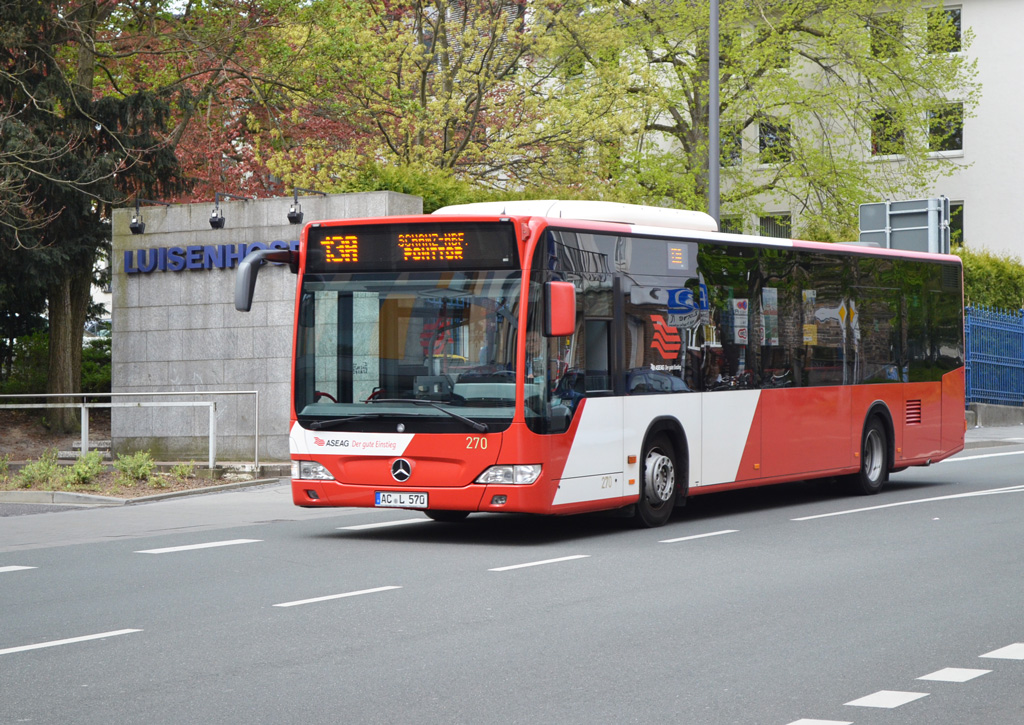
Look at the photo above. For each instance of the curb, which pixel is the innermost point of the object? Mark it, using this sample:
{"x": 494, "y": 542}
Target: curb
{"x": 86, "y": 499}
{"x": 988, "y": 443}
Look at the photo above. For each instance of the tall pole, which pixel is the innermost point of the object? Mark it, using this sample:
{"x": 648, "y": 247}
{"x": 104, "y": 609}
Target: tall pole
{"x": 714, "y": 139}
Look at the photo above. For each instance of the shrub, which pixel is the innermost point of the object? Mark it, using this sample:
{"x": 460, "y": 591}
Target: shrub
{"x": 134, "y": 467}
{"x": 31, "y": 361}
{"x": 43, "y": 472}
{"x": 96, "y": 366}
{"x": 991, "y": 280}
{"x": 84, "y": 470}
{"x": 184, "y": 470}
{"x": 5, "y": 467}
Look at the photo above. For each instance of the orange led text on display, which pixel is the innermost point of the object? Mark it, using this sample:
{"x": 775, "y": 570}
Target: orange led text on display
{"x": 432, "y": 247}
{"x": 341, "y": 250}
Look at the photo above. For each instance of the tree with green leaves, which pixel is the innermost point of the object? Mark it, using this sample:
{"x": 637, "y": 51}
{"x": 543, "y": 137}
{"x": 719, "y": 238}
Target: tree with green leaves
{"x": 823, "y": 105}
{"x": 70, "y": 154}
{"x": 439, "y": 95}
{"x": 96, "y": 98}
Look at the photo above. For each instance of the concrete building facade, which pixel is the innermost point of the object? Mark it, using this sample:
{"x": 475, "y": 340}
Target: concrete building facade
{"x": 175, "y": 328}
{"x": 988, "y": 177}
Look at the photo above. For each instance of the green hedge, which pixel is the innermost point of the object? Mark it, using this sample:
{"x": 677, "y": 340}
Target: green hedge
{"x": 32, "y": 358}
{"x": 991, "y": 280}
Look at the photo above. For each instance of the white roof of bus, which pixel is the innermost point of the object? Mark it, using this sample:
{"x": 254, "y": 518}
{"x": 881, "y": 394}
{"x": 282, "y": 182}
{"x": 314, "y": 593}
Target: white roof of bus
{"x": 594, "y": 211}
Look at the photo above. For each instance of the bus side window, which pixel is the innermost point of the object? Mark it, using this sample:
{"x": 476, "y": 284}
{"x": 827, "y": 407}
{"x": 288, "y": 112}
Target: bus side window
{"x": 598, "y": 358}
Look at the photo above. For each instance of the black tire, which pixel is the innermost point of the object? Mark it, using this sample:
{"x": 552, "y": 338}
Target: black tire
{"x": 447, "y": 517}
{"x": 874, "y": 461}
{"x": 658, "y": 483}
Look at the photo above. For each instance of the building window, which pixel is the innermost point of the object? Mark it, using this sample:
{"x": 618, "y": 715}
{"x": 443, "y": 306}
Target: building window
{"x": 731, "y": 144}
{"x": 888, "y": 134}
{"x": 886, "y": 35}
{"x": 731, "y": 224}
{"x": 944, "y": 30}
{"x": 774, "y": 142}
{"x": 956, "y": 223}
{"x": 776, "y": 225}
{"x": 946, "y": 128}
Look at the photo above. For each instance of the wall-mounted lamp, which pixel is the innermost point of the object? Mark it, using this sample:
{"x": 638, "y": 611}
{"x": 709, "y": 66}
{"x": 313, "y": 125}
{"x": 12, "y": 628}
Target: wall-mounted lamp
{"x": 136, "y": 225}
{"x": 295, "y": 210}
{"x": 216, "y": 218}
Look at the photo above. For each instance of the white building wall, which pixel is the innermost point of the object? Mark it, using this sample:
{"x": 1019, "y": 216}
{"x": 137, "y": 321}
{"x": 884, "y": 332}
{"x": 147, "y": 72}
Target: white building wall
{"x": 990, "y": 183}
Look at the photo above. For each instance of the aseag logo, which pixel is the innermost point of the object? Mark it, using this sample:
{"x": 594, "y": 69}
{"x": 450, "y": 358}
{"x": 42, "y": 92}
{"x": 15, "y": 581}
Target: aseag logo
{"x": 330, "y": 444}
{"x": 666, "y": 338}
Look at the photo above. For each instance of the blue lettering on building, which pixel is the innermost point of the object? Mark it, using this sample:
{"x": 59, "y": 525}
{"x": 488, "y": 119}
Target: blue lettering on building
{"x": 195, "y": 257}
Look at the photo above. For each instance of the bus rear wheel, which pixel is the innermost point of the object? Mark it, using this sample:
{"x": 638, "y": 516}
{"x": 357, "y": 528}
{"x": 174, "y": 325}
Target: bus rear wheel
{"x": 657, "y": 483}
{"x": 447, "y": 517}
{"x": 874, "y": 461}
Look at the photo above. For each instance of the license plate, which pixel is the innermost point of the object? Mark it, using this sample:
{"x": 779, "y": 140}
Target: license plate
{"x": 402, "y": 499}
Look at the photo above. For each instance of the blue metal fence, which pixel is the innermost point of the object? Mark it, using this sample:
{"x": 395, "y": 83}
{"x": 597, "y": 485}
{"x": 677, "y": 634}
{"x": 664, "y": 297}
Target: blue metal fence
{"x": 995, "y": 356}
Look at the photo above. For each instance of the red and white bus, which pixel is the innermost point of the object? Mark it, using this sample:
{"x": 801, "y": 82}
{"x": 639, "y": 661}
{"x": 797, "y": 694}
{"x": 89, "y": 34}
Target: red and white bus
{"x": 558, "y": 357}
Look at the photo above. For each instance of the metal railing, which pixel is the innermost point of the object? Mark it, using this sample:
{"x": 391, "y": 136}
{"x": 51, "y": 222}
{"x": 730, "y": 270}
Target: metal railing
{"x": 84, "y": 406}
{"x": 995, "y": 355}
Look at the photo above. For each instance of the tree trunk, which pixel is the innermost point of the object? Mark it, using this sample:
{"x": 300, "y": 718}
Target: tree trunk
{"x": 69, "y": 295}
{"x": 68, "y": 306}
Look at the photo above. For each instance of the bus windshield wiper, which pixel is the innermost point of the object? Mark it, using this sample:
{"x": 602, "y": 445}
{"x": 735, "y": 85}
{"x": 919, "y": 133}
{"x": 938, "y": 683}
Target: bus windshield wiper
{"x": 318, "y": 424}
{"x": 475, "y": 425}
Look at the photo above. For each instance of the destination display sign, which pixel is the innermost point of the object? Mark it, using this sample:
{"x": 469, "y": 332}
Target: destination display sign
{"x": 406, "y": 247}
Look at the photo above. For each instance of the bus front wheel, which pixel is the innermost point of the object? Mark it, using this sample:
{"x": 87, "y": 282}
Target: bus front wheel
{"x": 874, "y": 463}
{"x": 657, "y": 483}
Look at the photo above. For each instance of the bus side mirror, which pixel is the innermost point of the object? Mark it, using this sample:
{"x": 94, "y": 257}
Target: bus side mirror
{"x": 559, "y": 309}
{"x": 248, "y": 268}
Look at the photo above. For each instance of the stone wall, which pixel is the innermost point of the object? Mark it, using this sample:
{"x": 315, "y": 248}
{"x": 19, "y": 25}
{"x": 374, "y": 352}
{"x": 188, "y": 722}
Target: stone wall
{"x": 175, "y": 328}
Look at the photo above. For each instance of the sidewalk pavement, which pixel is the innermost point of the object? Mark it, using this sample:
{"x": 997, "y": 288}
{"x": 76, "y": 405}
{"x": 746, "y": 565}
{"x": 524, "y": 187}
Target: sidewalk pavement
{"x": 88, "y": 499}
{"x": 1003, "y": 435}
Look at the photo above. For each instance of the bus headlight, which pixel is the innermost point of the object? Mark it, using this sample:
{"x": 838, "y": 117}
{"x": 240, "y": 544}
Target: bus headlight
{"x": 517, "y": 475}
{"x": 310, "y": 471}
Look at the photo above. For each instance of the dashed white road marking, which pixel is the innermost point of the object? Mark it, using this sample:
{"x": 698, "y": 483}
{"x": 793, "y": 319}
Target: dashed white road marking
{"x": 72, "y": 640}
{"x": 888, "y": 699}
{"x": 191, "y": 547}
{"x": 382, "y": 524}
{"x": 698, "y": 536}
{"x": 954, "y": 674}
{"x": 539, "y": 563}
{"x": 4, "y": 569}
{"x": 989, "y": 492}
{"x": 1010, "y": 652}
{"x": 805, "y": 721}
{"x": 336, "y": 596}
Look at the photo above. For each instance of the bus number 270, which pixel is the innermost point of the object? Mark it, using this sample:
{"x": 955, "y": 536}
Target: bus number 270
{"x": 476, "y": 443}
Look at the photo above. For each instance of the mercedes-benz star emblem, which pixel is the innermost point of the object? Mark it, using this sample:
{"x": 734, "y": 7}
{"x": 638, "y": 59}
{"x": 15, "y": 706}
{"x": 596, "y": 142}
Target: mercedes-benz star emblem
{"x": 401, "y": 469}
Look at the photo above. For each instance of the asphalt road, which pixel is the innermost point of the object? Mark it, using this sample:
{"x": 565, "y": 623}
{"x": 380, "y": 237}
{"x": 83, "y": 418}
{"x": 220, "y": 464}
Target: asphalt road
{"x": 790, "y": 604}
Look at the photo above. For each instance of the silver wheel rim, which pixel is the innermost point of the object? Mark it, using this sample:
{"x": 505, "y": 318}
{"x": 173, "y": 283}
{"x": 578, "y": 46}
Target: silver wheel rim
{"x": 660, "y": 475}
{"x": 873, "y": 456}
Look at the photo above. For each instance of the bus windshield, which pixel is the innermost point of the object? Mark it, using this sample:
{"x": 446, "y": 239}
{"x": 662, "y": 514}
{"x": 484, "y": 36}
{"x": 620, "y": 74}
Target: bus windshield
{"x": 410, "y": 351}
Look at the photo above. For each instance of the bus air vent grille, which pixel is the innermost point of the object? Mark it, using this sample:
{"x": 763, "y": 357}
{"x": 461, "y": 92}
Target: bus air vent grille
{"x": 913, "y": 412}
